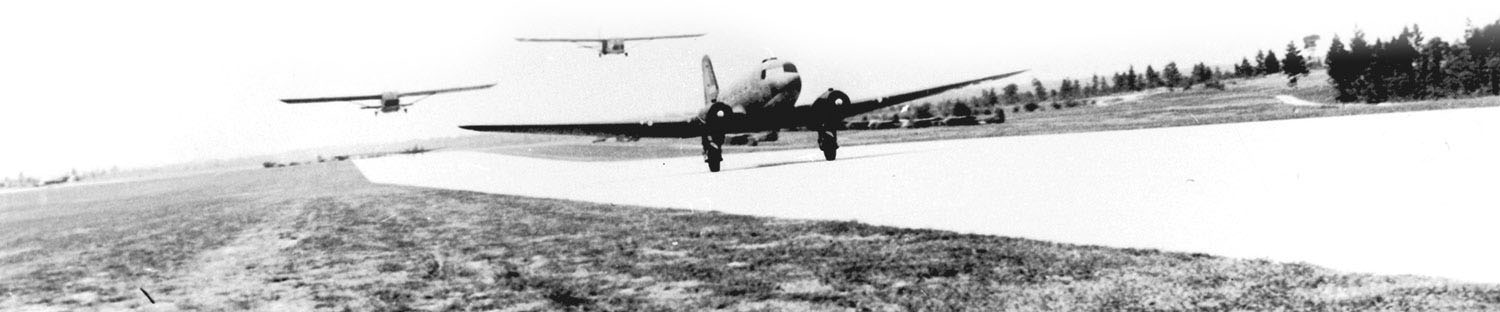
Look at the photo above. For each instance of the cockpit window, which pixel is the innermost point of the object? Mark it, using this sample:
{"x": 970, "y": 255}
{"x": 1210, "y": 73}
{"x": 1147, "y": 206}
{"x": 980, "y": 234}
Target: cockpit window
{"x": 788, "y": 67}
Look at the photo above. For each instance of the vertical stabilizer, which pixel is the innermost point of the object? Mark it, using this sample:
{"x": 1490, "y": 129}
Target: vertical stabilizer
{"x": 710, "y": 84}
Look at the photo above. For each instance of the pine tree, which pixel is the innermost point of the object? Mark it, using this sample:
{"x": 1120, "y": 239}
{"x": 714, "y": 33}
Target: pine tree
{"x": 1172, "y": 75}
{"x": 1377, "y": 74}
{"x": 1064, "y": 89}
{"x": 1119, "y": 83}
{"x": 1293, "y": 64}
{"x": 1093, "y": 89}
{"x": 1461, "y": 70}
{"x": 1104, "y": 86}
{"x": 1359, "y": 58}
{"x": 1484, "y": 52}
{"x": 1244, "y": 68}
{"x": 1131, "y": 80}
{"x": 1201, "y": 73}
{"x": 1341, "y": 71}
{"x": 1273, "y": 66}
{"x": 1430, "y": 70}
{"x": 1260, "y": 63}
{"x": 1041, "y": 91}
{"x": 1152, "y": 78}
{"x": 1399, "y": 58}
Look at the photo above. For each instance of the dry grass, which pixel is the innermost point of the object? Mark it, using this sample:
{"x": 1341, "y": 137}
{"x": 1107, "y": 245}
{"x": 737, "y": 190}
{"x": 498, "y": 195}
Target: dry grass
{"x": 319, "y": 238}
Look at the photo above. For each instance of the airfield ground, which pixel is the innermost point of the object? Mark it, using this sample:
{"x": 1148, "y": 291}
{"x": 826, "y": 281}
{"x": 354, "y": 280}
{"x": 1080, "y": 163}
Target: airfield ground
{"x": 321, "y": 237}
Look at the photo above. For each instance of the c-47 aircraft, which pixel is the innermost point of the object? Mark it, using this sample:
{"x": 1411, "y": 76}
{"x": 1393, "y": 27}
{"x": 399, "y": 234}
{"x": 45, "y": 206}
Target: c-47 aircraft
{"x": 606, "y": 45}
{"x": 762, "y": 101}
{"x": 390, "y": 102}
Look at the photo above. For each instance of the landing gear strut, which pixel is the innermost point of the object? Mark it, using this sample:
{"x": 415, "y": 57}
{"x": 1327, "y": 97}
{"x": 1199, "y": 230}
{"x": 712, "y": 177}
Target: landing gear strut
{"x": 713, "y": 151}
{"x": 713, "y": 135}
{"x": 828, "y": 141}
{"x": 828, "y": 135}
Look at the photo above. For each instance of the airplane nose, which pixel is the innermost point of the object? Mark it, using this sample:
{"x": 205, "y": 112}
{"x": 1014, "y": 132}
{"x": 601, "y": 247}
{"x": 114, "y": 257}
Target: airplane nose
{"x": 792, "y": 85}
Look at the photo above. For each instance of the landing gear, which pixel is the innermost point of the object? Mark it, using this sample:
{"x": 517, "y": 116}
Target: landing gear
{"x": 713, "y": 134}
{"x": 828, "y": 141}
{"x": 713, "y": 151}
{"x": 828, "y": 135}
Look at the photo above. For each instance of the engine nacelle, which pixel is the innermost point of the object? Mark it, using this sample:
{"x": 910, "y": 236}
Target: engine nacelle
{"x": 827, "y": 105}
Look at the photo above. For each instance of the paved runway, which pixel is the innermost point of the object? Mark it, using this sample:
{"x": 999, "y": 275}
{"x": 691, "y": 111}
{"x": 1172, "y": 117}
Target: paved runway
{"x": 1393, "y": 193}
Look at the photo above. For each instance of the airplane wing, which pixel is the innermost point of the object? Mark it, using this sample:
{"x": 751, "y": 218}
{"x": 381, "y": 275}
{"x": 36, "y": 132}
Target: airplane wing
{"x": 670, "y": 129}
{"x": 377, "y": 96}
{"x": 663, "y": 37}
{"x": 690, "y": 126}
{"x": 869, "y": 105}
{"x": 332, "y": 99}
{"x": 431, "y": 92}
{"x": 559, "y": 39}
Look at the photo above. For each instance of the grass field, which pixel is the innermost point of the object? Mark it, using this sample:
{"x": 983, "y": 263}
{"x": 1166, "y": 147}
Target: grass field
{"x": 319, "y": 237}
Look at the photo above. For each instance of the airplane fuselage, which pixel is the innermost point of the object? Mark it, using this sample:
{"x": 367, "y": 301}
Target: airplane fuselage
{"x": 612, "y": 46}
{"x": 768, "y": 92}
{"x": 390, "y": 102}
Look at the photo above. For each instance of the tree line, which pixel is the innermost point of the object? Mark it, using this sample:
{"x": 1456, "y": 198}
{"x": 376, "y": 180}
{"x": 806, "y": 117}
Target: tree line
{"x": 1073, "y": 92}
{"x": 1406, "y": 68}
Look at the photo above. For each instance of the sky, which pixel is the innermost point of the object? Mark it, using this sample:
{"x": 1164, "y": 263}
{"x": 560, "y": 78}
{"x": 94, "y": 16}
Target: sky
{"x": 97, "y": 84}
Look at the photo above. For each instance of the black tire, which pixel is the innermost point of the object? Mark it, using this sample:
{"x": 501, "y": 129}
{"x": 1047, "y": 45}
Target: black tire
{"x": 713, "y": 137}
{"x": 713, "y": 151}
{"x": 828, "y": 141}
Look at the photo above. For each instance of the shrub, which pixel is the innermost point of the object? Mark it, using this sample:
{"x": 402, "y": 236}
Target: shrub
{"x": 1032, "y": 107}
{"x": 961, "y": 110}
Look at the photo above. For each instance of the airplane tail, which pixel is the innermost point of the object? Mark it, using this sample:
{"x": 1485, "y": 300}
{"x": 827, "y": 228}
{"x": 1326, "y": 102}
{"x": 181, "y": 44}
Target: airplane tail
{"x": 710, "y": 84}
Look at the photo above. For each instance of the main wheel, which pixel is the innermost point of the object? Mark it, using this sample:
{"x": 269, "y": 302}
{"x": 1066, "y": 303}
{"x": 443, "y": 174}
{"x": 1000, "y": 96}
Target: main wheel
{"x": 713, "y": 134}
{"x": 713, "y": 151}
{"x": 828, "y": 141}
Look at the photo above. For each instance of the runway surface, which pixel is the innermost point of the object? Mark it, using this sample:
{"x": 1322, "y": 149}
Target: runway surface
{"x": 1407, "y": 193}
